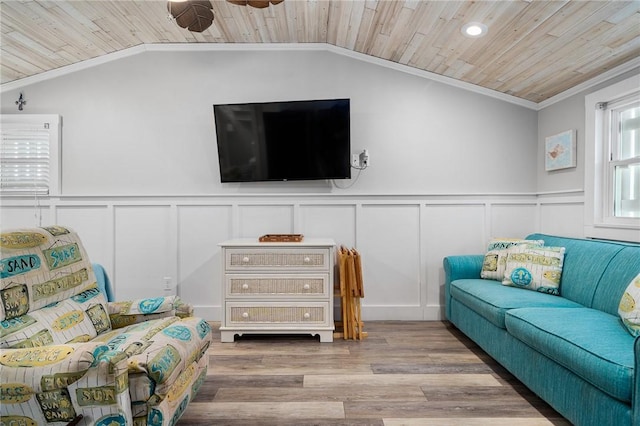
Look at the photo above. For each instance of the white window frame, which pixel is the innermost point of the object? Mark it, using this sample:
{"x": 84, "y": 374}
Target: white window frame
{"x": 612, "y": 129}
{"x": 599, "y": 219}
{"x": 53, "y": 121}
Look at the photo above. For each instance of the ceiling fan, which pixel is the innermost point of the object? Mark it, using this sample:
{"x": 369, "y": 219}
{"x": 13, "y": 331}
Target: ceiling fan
{"x": 197, "y": 15}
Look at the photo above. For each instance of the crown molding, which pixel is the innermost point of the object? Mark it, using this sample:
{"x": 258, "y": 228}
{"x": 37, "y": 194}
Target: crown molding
{"x": 69, "y": 69}
{"x": 200, "y": 47}
{"x": 207, "y": 47}
{"x": 612, "y": 73}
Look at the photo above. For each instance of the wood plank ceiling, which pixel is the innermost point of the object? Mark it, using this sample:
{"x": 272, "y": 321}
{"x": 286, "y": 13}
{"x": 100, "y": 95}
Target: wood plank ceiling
{"x": 533, "y": 49}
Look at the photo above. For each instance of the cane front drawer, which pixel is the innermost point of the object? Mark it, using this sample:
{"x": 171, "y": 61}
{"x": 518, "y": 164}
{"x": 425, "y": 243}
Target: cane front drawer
{"x": 277, "y": 314}
{"x": 277, "y": 259}
{"x": 305, "y": 286}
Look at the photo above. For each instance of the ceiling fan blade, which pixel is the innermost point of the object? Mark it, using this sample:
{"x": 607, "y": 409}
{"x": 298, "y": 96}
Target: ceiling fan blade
{"x": 194, "y": 15}
{"x": 258, "y": 4}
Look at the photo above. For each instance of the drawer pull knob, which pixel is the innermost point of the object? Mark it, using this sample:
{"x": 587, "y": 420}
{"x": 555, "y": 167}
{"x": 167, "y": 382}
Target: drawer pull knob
{"x": 245, "y": 286}
{"x": 307, "y": 315}
{"x": 245, "y": 259}
{"x": 245, "y": 315}
{"x": 306, "y": 287}
{"x": 307, "y": 260}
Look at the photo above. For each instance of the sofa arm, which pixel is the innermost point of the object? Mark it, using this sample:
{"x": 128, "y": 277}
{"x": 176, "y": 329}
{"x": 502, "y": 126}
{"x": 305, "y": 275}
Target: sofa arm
{"x": 461, "y": 267}
{"x": 456, "y": 268}
{"x": 62, "y": 383}
{"x": 136, "y": 311}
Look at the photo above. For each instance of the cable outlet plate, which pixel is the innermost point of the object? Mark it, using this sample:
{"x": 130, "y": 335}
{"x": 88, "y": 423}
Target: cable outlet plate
{"x": 360, "y": 161}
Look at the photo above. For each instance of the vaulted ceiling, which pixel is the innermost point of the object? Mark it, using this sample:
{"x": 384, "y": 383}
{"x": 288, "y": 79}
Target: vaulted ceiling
{"x": 534, "y": 50}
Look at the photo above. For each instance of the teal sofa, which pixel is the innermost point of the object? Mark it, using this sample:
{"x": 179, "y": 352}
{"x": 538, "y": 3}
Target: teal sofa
{"x": 572, "y": 350}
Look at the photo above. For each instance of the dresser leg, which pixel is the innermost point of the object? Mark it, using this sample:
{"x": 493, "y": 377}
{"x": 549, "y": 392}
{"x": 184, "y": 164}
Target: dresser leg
{"x": 326, "y": 336}
{"x": 227, "y": 336}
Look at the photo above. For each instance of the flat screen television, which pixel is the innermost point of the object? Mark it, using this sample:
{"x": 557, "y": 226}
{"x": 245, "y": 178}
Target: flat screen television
{"x": 281, "y": 141}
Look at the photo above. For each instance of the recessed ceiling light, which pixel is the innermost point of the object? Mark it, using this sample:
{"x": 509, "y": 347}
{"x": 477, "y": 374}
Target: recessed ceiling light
{"x": 474, "y": 29}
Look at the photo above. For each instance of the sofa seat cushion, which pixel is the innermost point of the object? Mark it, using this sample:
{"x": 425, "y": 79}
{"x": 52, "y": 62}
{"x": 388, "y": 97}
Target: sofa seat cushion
{"x": 492, "y": 300}
{"x": 592, "y": 344}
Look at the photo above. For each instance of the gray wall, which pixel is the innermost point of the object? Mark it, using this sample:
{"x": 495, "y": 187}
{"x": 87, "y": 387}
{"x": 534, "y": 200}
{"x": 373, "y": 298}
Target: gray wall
{"x": 564, "y": 115}
{"x": 143, "y": 124}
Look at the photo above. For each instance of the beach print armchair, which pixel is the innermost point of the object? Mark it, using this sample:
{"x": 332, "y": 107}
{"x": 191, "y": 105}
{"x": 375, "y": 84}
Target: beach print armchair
{"x": 68, "y": 356}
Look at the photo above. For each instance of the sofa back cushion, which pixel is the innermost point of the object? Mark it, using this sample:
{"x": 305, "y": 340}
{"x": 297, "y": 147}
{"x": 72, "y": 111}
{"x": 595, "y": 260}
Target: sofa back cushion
{"x": 622, "y": 269}
{"x": 589, "y": 274}
{"x": 48, "y": 291}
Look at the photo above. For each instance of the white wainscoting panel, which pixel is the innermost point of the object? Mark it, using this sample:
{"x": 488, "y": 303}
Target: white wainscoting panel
{"x": 512, "y": 220}
{"x": 449, "y": 230}
{"x": 329, "y": 221}
{"x": 24, "y": 216}
{"x": 144, "y": 251}
{"x": 565, "y": 219}
{"x": 200, "y": 230}
{"x": 257, "y": 220}
{"x": 388, "y": 240}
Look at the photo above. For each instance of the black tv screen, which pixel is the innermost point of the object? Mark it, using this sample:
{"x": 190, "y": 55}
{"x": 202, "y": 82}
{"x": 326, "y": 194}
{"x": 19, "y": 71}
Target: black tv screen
{"x": 280, "y": 141}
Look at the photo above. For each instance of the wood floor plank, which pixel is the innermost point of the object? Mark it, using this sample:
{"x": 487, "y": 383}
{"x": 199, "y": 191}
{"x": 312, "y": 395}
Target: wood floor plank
{"x": 264, "y": 410}
{"x": 203, "y": 421}
{"x": 398, "y": 368}
{"x": 304, "y": 345}
{"x": 447, "y": 409}
{"x": 470, "y": 393}
{"x": 261, "y": 369}
{"x": 340, "y": 393}
{"x": 209, "y": 389}
{"x": 328, "y": 380}
{"x": 496, "y": 421}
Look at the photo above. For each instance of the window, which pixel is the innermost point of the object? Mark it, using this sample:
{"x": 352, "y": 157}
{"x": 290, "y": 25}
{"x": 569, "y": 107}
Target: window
{"x": 622, "y": 120}
{"x": 29, "y": 154}
{"x": 612, "y": 159}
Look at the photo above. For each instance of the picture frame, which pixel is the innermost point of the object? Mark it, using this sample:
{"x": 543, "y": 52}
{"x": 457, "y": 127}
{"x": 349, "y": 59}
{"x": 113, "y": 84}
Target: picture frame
{"x": 560, "y": 151}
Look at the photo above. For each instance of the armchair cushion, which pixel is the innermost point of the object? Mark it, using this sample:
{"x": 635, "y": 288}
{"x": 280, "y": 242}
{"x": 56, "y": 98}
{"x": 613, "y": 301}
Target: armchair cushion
{"x": 39, "y": 267}
{"x": 57, "y": 383}
{"x": 48, "y": 292}
{"x": 126, "y": 313}
{"x": 79, "y": 318}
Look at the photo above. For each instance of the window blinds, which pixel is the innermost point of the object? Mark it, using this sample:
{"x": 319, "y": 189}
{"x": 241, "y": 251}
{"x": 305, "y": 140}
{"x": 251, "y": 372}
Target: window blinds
{"x": 25, "y": 159}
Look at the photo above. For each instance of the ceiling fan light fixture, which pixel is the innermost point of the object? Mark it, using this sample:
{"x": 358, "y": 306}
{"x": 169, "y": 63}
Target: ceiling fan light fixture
{"x": 474, "y": 30}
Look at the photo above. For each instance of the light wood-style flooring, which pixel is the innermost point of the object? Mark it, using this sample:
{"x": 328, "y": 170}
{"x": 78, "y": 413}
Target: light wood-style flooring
{"x": 403, "y": 373}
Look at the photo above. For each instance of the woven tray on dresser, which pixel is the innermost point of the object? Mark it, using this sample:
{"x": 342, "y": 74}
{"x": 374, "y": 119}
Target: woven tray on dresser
{"x": 277, "y": 288}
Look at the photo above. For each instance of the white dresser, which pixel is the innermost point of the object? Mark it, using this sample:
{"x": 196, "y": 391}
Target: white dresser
{"x": 277, "y": 288}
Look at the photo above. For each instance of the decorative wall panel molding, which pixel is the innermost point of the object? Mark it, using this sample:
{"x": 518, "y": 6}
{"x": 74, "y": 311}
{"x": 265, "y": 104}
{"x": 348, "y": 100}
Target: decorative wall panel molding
{"x": 165, "y": 245}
